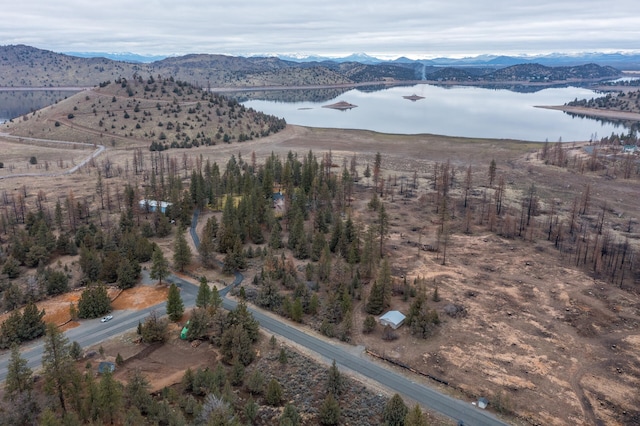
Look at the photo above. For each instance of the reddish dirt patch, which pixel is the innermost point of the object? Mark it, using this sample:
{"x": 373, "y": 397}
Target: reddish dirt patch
{"x": 140, "y": 297}
{"x": 57, "y": 308}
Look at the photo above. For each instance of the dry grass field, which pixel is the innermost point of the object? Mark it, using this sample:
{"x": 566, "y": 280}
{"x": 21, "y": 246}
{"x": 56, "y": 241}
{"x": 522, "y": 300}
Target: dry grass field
{"x": 553, "y": 343}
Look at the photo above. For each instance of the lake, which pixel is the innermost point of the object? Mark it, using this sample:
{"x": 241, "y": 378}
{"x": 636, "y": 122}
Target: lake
{"x": 14, "y": 103}
{"x": 445, "y": 110}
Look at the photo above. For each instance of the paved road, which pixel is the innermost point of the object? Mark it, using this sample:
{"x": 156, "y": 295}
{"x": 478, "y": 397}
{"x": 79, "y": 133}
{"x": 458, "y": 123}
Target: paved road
{"x": 92, "y": 332}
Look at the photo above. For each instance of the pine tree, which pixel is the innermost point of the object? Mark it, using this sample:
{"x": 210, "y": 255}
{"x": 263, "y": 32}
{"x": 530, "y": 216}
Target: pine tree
{"x": 255, "y": 383}
{"x": 273, "y": 394}
{"x": 159, "y": 266}
{"x": 395, "y": 411}
{"x": 375, "y": 303}
{"x": 385, "y": 282}
{"x": 58, "y": 369}
{"x": 251, "y": 409}
{"x": 175, "y": 306}
{"x": 136, "y": 393}
{"x": 206, "y": 248}
{"x": 216, "y": 300}
{"x": 32, "y": 325}
{"x": 329, "y": 414}
{"x": 94, "y": 302}
{"x": 109, "y": 398}
{"x": 290, "y": 416}
{"x": 181, "y": 252}
{"x": 415, "y": 417}
{"x": 335, "y": 382}
{"x": 19, "y": 377}
{"x": 203, "y": 299}
{"x": 383, "y": 226}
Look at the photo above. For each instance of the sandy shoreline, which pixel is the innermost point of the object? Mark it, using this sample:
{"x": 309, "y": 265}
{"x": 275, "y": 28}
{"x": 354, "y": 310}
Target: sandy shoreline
{"x": 593, "y": 112}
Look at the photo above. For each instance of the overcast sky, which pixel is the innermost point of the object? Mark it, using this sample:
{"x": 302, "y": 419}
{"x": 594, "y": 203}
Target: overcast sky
{"x": 386, "y": 29}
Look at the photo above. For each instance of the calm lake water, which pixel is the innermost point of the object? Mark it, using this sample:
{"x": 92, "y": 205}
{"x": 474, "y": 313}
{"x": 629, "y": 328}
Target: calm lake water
{"x": 452, "y": 110}
{"x": 14, "y": 103}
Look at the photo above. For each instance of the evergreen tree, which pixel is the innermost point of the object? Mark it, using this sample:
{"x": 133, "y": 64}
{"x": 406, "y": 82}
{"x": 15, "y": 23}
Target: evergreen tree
{"x": 57, "y": 282}
{"x": 329, "y": 414}
{"x": 58, "y": 369}
{"x": 11, "y": 268}
{"x": 181, "y": 252}
{"x": 76, "y": 350}
{"x": 385, "y": 282}
{"x": 137, "y": 392}
{"x": 235, "y": 345}
{"x": 395, "y": 411}
{"x": 375, "y": 303}
{"x": 206, "y": 248}
{"x": 203, "y": 299}
{"x": 10, "y": 330}
{"x": 19, "y": 377}
{"x": 251, "y": 409}
{"x": 282, "y": 356}
{"x": 335, "y": 382}
{"x": 31, "y": 326}
{"x": 383, "y": 226}
{"x": 255, "y": 382}
{"x": 109, "y": 398}
{"x": 273, "y": 394}
{"x": 154, "y": 329}
{"x": 369, "y": 324}
{"x": 198, "y": 324}
{"x": 159, "y": 266}
{"x": 216, "y": 300}
{"x": 94, "y": 302}
{"x": 275, "y": 239}
{"x": 175, "y": 306}
{"x": 290, "y": 416}
{"x": 415, "y": 417}
{"x": 128, "y": 273}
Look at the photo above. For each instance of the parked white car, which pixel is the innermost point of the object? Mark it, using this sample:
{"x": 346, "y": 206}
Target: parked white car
{"x": 107, "y": 318}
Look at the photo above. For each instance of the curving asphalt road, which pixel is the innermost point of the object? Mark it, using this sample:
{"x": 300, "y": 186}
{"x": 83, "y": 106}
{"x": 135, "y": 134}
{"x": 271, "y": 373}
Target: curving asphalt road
{"x": 92, "y": 332}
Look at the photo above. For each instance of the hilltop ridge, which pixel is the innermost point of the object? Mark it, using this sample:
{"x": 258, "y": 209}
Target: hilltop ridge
{"x": 25, "y": 66}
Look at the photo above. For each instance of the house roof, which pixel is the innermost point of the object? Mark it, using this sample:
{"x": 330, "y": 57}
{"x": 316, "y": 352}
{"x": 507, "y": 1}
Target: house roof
{"x": 154, "y": 203}
{"x": 106, "y": 366}
{"x": 395, "y": 317}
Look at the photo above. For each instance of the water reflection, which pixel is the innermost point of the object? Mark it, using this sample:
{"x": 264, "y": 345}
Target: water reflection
{"x": 14, "y": 103}
{"x": 468, "y": 111}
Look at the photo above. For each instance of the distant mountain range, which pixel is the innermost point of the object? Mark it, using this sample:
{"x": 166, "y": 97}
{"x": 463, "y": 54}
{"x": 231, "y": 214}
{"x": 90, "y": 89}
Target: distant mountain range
{"x": 25, "y": 66}
{"x": 623, "y": 61}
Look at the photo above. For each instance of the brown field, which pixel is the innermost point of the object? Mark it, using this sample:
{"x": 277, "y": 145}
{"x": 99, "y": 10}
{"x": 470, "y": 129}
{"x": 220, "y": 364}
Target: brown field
{"x": 559, "y": 345}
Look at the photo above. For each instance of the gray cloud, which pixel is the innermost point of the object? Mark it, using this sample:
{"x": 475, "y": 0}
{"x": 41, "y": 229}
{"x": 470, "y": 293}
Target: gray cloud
{"x": 331, "y": 27}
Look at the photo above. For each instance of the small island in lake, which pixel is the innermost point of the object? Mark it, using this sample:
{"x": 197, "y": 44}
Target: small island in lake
{"x": 342, "y": 105}
{"x": 413, "y": 97}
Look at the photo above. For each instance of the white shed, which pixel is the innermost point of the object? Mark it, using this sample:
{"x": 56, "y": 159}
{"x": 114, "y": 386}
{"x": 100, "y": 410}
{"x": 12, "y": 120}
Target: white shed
{"x": 393, "y": 319}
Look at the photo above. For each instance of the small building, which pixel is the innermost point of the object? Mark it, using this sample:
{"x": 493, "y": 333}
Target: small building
{"x": 631, "y": 149}
{"x": 278, "y": 203}
{"x": 153, "y": 205}
{"x": 106, "y": 366}
{"x": 483, "y": 402}
{"x": 393, "y": 319}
